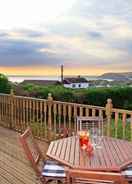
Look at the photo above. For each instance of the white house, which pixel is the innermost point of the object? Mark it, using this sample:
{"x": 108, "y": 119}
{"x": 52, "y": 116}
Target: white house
{"x": 75, "y": 82}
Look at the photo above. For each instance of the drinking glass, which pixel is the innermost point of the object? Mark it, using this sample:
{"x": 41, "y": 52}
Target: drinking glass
{"x": 96, "y": 137}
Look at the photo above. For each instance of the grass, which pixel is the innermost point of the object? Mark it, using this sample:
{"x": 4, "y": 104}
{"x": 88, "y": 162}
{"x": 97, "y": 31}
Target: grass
{"x": 120, "y": 130}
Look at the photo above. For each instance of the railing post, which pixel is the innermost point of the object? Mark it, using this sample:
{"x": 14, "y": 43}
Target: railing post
{"x": 11, "y": 109}
{"x": 50, "y": 103}
{"x": 108, "y": 112}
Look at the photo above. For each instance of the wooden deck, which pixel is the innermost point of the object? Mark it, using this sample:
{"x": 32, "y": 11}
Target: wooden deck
{"x": 14, "y": 167}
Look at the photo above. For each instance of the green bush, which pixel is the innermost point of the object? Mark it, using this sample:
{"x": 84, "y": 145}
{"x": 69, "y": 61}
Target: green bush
{"x": 121, "y": 97}
{"x": 5, "y": 85}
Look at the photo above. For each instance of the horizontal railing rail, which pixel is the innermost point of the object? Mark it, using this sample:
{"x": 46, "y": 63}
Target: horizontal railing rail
{"x": 50, "y": 119}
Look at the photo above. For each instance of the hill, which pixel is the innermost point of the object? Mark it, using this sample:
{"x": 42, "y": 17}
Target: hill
{"x": 117, "y": 76}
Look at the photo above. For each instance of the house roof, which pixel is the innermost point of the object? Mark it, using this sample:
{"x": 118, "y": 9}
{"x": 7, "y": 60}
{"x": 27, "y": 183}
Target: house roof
{"x": 70, "y": 80}
{"x": 41, "y": 82}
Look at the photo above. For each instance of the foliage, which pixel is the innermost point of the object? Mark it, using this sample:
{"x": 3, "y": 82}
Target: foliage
{"x": 58, "y": 92}
{"x": 120, "y": 130}
{"x": 121, "y": 96}
{"x": 5, "y": 85}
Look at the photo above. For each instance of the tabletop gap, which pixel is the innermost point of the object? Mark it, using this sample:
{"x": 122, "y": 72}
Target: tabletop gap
{"x": 116, "y": 152}
{"x": 76, "y": 152}
{"x": 109, "y": 153}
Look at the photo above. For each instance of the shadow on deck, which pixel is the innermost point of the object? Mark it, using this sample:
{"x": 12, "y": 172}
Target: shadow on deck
{"x": 14, "y": 167}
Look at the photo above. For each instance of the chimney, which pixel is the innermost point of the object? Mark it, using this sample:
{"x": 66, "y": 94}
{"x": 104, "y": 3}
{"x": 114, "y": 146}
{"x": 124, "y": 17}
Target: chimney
{"x": 61, "y": 73}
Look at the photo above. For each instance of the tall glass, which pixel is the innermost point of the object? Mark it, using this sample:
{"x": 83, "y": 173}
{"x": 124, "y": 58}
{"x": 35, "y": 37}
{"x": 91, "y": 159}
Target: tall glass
{"x": 96, "y": 137}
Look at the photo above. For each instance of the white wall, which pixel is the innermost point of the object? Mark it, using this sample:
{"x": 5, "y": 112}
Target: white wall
{"x": 77, "y": 85}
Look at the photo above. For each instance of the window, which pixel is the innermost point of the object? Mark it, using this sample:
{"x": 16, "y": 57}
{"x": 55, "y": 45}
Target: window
{"x": 79, "y": 85}
{"x": 73, "y": 85}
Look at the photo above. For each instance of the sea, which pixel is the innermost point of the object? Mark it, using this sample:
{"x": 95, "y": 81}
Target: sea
{"x": 19, "y": 79}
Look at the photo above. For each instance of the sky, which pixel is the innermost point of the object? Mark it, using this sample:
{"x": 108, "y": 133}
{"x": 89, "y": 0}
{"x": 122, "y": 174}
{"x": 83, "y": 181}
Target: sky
{"x": 89, "y": 37}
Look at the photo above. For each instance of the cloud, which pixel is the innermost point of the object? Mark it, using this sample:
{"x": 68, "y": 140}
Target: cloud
{"x": 101, "y": 8}
{"x": 24, "y": 53}
{"x": 54, "y": 49}
{"x": 94, "y": 33}
{"x": 3, "y": 34}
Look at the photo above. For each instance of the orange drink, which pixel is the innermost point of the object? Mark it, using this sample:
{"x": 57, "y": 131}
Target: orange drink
{"x": 84, "y": 139}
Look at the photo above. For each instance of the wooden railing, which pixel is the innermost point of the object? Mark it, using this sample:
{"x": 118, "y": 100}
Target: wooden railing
{"x": 48, "y": 118}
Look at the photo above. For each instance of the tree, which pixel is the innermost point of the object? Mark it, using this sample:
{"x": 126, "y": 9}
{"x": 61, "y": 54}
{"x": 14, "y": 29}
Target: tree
{"x": 5, "y": 85}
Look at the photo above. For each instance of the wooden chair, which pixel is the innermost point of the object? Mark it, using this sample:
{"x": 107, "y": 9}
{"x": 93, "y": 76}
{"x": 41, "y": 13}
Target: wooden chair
{"x": 46, "y": 170}
{"x": 93, "y": 177}
{"x": 88, "y": 122}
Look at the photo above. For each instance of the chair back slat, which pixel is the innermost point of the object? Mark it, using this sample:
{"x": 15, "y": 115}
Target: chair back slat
{"x": 86, "y": 123}
{"x": 32, "y": 150}
{"x": 92, "y": 124}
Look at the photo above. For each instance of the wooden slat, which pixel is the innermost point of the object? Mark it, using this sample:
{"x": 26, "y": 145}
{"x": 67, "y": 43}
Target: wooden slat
{"x": 75, "y": 117}
{"x": 87, "y": 112}
{"x": 124, "y": 123}
{"x": 59, "y": 116}
{"x": 55, "y": 115}
{"x": 20, "y": 113}
{"x": 72, "y": 152}
{"x": 82, "y": 159}
{"x": 63, "y": 151}
{"x": 59, "y": 149}
{"x": 24, "y": 114}
{"x": 38, "y": 119}
{"x": 33, "y": 111}
{"x": 45, "y": 120}
{"x": 68, "y": 149}
{"x": 116, "y": 122}
{"x": 54, "y": 148}
{"x": 100, "y": 113}
{"x": 30, "y": 110}
{"x": 77, "y": 152}
{"x": 16, "y": 115}
{"x": 69, "y": 117}
{"x": 41, "y": 115}
{"x": 17, "y": 119}
{"x": 81, "y": 111}
{"x": 93, "y": 112}
{"x": 64, "y": 115}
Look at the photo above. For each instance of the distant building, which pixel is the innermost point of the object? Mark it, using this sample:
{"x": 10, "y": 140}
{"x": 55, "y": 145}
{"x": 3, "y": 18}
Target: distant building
{"x": 41, "y": 82}
{"x": 75, "y": 82}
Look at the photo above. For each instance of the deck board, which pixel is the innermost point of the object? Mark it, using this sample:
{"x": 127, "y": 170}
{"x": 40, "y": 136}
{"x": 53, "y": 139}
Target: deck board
{"x": 14, "y": 167}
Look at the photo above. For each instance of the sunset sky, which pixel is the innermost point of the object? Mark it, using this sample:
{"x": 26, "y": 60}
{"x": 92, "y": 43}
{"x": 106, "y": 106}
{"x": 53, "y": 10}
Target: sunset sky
{"x": 89, "y": 37}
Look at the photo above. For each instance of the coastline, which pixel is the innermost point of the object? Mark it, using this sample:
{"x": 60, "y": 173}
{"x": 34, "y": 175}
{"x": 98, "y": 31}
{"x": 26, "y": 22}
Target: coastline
{"x": 20, "y": 78}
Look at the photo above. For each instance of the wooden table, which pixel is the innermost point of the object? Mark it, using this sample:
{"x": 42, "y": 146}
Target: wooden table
{"x": 113, "y": 156}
